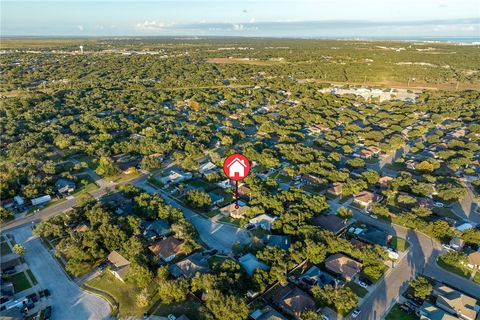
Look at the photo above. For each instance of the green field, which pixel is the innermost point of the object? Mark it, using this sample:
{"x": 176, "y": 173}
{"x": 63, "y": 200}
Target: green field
{"x": 399, "y": 244}
{"x": 236, "y": 222}
{"x": 20, "y": 281}
{"x": 398, "y": 314}
{"x": 359, "y": 291}
{"x": 85, "y": 184}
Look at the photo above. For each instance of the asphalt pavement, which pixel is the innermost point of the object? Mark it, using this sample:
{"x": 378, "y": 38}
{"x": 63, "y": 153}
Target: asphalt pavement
{"x": 68, "y": 301}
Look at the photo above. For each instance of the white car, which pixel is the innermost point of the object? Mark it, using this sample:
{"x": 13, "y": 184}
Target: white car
{"x": 439, "y": 204}
{"x": 373, "y": 216}
{"x": 171, "y": 317}
{"x": 355, "y": 313}
{"x": 362, "y": 284}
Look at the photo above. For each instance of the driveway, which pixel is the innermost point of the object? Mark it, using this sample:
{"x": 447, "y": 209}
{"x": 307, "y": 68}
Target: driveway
{"x": 218, "y": 236}
{"x": 420, "y": 259}
{"x": 68, "y": 301}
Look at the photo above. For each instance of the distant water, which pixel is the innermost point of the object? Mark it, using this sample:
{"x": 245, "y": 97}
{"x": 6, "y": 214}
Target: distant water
{"x": 427, "y": 39}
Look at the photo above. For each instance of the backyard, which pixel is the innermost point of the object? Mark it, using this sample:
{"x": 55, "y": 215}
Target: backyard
{"x": 398, "y": 314}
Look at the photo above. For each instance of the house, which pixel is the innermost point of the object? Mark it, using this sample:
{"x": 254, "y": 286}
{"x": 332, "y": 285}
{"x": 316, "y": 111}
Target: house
{"x": 457, "y": 243}
{"x": 312, "y": 180}
{"x": 231, "y": 211}
{"x": 410, "y": 164}
{"x": 267, "y": 313}
{"x": 249, "y": 262}
{"x": 331, "y": 223}
{"x": 474, "y": 260}
{"x": 154, "y": 229}
{"x": 166, "y": 249}
{"x": 189, "y": 266}
{"x": 455, "y": 302}
{"x": 81, "y": 227}
{"x": 216, "y": 198}
{"x": 430, "y": 312}
{"x": 128, "y": 167}
{"x": 236, "y": 168}
{"x": 292, "y": 300}
{"x": 342, "y": 265}
{"x": 366, "y": 154}
{"x": 314, "y": 276}
{"x": 282, "y": 242}
{"x": 375, "y": 236}
{"x": 375, "y": 150}
{"x": 118, "y": 201}
{"x": 120, "y": 265}
{"x": 244, "y": 191}
{"x": 385, "y": 182}
{"x": 263, "y": 221}
{"x": 19, "y": 201}
{"x": 364, "y": 198}
{"x": 207, "y": 167}
{"x": 41, "y": 200}
{"x": 65, "y": 186}
{"x": 336, "y": 188}
{"x": 464, "y": 226}
{"x": 175, "y": 177}
{"x": 225, "y": 184}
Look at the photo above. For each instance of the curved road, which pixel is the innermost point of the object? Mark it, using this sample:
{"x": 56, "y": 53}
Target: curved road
{"x": 420, "y": 259}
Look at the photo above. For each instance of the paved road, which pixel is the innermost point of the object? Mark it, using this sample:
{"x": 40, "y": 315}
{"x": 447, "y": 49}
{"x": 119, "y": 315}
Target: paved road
{"x": 421, "y": 259}
{"x": 466, "y": 208}
{"x": 216, "y": 235}
{"x": 81, "y": 305}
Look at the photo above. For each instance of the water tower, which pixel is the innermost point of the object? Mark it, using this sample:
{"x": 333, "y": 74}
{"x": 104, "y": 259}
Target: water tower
{"x": 81, "y": 49}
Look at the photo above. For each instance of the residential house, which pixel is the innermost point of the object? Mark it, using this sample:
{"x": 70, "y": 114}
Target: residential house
{"x": 474, "y": 260}
{"x": 130, "y": 166}
{"x": 119, "y": 201}
{"x": 249, "y": 262}
{"x": 312, "y": 180}
{"x": 375, "y": 236}
{"x": 282, "y": 242}
{"x": 455, "y": 302}
{"x": 120, "y": 265}
{"x": 216, "y": 198}
{"x": 19, "y": 200}
{"x": 457, "y": 243}
{"x": 343, "y": 265}
{"x": 267, "y": 313}
{"x": 336, "y": 188}
{"x": 331, "y": 223}
{"x": 176, "y": 177}
{"x": 189, "y": 266}
{"x": 225, "y": 184}
{"x": 429, "y": 311}
{"x": 292, "y": 300}
{"x": 231, "y": 211}
{"x": 263, "y": 221}
{"x": 65, "y": 186}
{"x": 41, "y": 200}
{"x": 364, "y": 198}
{"x": 316, "y": 277}
{"x": 375, "y": 150}
{"x": 81, "y": 227}
{"x": 207, "y": 167}
{"x": 166, "y": 249}
{"x": 365, "y": 154}
{"x": 244, "y": 191}
{"x": 385, "y": 182}
{"x": 152, "y": 230}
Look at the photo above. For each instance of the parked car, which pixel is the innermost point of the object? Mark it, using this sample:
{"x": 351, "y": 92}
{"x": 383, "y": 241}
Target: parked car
{"x": 373, "y": 216}
{"x": 355, "y": 313}
{"x": 46, "y": 292}
{"x": 171, "y": 317}
{"x": 363, "y": 284}
{"x": 439, "y": 204}
{"x": 10, "y": 270}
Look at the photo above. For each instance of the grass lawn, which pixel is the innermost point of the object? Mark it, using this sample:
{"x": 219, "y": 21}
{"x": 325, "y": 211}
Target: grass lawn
{"x": 20, "y": 281}
{"x": 4, "y": 249}
{"x": 86, "y": 184}
{"x": 189, "y": 307}
{"x": 457, "y": 269}
{"x": 121, "y": 177}
{"x": 398, "y": 314}
{"x": 212, "y": 213}
{"x": 359, "y": 291}
{"x": 31, "y": 276}
{"x": 231, "y": 220}
{"x": 400, "y": 244}
{"x": 200, "y": 184}
{"x": 91, "y": 162}
{"x": 124, "y": 293}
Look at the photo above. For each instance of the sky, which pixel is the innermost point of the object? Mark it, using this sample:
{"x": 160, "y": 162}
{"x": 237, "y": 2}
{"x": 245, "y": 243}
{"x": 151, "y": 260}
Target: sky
{"x": 262, "y": 18}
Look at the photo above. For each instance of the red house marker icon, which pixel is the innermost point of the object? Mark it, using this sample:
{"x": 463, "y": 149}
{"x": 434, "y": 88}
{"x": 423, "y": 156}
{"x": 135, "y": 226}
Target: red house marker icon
{"x": 236, "y": 167}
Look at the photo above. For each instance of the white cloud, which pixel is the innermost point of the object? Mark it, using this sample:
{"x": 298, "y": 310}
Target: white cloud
{"x": 151, "y": 25}
{"x": 454, "y": 27}
{"x": 252, "y": 20}
{"x": 80, "y": 27}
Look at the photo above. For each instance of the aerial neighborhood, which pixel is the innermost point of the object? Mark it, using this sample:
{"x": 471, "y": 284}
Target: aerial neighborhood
{"x": 359, "y": 200}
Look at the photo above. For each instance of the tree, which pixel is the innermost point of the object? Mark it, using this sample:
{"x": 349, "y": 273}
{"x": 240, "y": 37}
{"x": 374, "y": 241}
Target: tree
{"x": 173, "y": 290}
{"x": 310, "y": 315}
{"x": 19, "y": 249}
{"x": 422, "y": 212}
{"x": 344, "y": 213}
{"x": 226, "y": 307}
{"x": 139, "y": 275}
{"x": 5, "y": 215}
{"x": 199, "y": 199}
{"x": 371, "y": 176}
{"x": 143, "y": 298}
{"x": 106, "y": 167}
{"x": 342, "y": 299}
{"x": 421, "y": 287}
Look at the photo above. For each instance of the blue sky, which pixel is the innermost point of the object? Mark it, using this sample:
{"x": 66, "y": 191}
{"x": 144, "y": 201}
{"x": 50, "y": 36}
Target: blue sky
{"x": 302, "y": 18}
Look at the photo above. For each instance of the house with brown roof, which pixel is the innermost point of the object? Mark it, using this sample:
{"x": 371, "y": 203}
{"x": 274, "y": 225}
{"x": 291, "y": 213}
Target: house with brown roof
{"x": 344, "y": 266}
{"x": 455, "y": 302}
{"x": 166, "y": 249}
{"x": 188, "y": 267}
{"x": 366, "y": 154}
{"x": 312, "y": 180}
{"x": 336, "y": 188}
{"x": 364, "y": 198}
{"x": 119, "y": 265}
{"x": 474, "y": 260}
{"x": 385, "y": 182}
{"x": 374, "y": 149}
{"x": 231, "y": 211}
{"x": 292, "y": 300}
{"x": 331, "y": 223}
